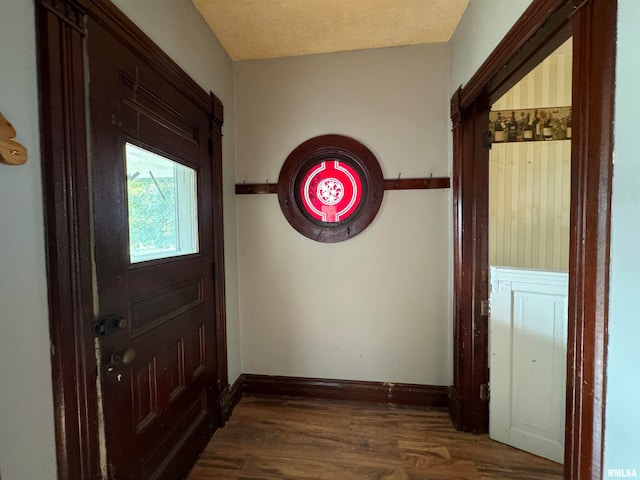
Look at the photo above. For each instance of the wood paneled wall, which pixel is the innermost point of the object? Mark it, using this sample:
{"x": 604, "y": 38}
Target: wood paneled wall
{"x": 547, "y": 85}
{"x": 530, "y": 182}
{"x": 529, "y": 203}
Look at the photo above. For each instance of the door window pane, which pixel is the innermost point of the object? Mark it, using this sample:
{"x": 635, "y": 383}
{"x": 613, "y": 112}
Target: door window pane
{"x": 162, "y": 204}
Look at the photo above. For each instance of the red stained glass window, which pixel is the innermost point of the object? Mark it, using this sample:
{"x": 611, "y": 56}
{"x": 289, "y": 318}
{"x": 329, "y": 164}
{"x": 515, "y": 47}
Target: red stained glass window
{"x": 330, "y": 191}
{"x": 330, "y": 188}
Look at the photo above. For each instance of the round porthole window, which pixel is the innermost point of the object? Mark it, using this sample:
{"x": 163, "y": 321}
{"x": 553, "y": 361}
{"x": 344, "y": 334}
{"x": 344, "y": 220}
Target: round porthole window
{"x": 330, "y": 188}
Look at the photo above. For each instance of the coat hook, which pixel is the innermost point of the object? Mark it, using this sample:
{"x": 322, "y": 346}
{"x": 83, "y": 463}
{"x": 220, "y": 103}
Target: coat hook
{"x": 11, "y": 152}
{"x": 398, "y": 179}
{"x": 427, "y": 182}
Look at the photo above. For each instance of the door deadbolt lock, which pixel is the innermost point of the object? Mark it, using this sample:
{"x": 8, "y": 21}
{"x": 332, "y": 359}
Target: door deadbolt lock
{"x": 122, "y": 357}
{"x": 109, "y": 324}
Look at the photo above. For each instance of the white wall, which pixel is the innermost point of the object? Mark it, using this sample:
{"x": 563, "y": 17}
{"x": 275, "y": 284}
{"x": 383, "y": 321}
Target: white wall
{"x": 177, "y": 27}
{"x": 27, "y": 445}
{"x": 375, "y": 307}
{"x": 483, "y": 25}
{"x": 622, "y": 437}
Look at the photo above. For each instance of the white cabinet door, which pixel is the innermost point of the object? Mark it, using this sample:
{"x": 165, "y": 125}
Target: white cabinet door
{"x": 528, "y": 345}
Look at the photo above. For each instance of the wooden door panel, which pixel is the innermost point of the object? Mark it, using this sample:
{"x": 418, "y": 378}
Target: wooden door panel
{"x": 140, "y": 99}
{"x": 144, "y": 381}
{"x": 198, "y": 350}
{"x": 164, "y": 398}
{"x": 185, "y": 426}
{"x": 157, "y": 274}
{"x": 170, "y": 359}
{"x": 152, "y": 309}
{"x": 176, "y": 372}
{"x": 160, "y": 133}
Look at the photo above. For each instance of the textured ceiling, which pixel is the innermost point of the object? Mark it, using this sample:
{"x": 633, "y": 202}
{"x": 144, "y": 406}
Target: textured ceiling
{"x": 252, "y": 29}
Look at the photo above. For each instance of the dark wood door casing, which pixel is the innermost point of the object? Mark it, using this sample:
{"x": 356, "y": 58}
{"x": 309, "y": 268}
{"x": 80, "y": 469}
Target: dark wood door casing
{"x": 62, "y": 28}
{"x": 61, "y": 33}
{"x": 543, "y": 27}
{"x": 469, "y": 411}
{"x": 594, "y": 33}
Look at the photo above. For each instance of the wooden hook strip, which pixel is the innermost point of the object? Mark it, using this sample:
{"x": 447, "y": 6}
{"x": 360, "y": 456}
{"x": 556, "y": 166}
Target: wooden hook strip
{"x": 256, "y": 188}
{"x": 417, "y": 183}
{"x": 426, "y": 183}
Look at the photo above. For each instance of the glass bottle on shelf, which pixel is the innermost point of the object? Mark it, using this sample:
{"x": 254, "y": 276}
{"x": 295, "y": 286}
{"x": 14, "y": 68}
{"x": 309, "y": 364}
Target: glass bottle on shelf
{"x": 527, "y": 132}
{"x": 498, "y": 130}
{"x": 491, "y": 128}
{"x": 547, "y": 130}
{"x": 512, "y": 128}
{"x": 537, "y": 126}
{"x": 522, "y": 123}
{"x": 557, "y": 131}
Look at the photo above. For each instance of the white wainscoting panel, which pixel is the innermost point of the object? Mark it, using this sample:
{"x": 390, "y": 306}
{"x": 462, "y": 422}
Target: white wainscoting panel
{"x": 528, "y": 339}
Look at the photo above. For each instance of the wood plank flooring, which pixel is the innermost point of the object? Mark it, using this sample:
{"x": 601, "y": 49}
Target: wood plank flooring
{"x": 285, "y": 439}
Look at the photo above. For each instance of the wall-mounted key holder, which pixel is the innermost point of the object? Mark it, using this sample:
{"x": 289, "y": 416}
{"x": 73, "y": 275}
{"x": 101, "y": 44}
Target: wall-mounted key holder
{"x": 11, "y": 152}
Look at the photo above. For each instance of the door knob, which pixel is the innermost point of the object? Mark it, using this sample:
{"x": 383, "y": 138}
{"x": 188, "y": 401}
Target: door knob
{"x": 123, "y": 357}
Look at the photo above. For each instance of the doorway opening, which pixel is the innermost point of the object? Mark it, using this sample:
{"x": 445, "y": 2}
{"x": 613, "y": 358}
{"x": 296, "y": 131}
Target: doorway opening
{"x": 544, "y": 26}
{"x": 529, "y": 211}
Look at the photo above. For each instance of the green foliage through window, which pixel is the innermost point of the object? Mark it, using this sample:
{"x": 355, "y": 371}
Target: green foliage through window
{"x": 152, "y": 220}
{"x": 162, "y": 206}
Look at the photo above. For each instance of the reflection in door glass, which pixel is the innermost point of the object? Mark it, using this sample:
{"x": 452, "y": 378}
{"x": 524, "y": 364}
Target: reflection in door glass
{"x": 162, "y": 203}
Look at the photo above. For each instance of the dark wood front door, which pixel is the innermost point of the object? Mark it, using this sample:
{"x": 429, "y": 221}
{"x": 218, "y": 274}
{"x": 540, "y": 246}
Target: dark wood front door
{"x": 151, "y": 171}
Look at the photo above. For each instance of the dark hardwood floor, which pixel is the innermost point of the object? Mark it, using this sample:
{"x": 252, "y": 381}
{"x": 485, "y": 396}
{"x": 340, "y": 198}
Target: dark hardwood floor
{"x": 286, "y": 439}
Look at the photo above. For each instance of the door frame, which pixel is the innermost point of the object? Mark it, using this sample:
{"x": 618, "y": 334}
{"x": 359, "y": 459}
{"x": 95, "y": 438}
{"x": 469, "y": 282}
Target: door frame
{"x": 61, "y": 29}
{"x": 542, "y": 27}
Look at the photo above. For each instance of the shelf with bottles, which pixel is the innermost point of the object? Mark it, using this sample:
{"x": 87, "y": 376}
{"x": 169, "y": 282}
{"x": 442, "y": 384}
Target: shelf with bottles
{"x": 530, "y": 124}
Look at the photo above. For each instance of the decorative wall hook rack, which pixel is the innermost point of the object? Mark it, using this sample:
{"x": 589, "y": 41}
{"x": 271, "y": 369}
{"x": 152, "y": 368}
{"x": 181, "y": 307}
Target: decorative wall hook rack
{"x": 11, "y": 152}
{"x": 255, "y": 188}
{"x": 426, "y": 183}
{"x": 330, "y": 187}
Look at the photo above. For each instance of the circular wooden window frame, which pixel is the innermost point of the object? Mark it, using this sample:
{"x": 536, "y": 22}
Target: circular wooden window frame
{"x": 312, "y": 152}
